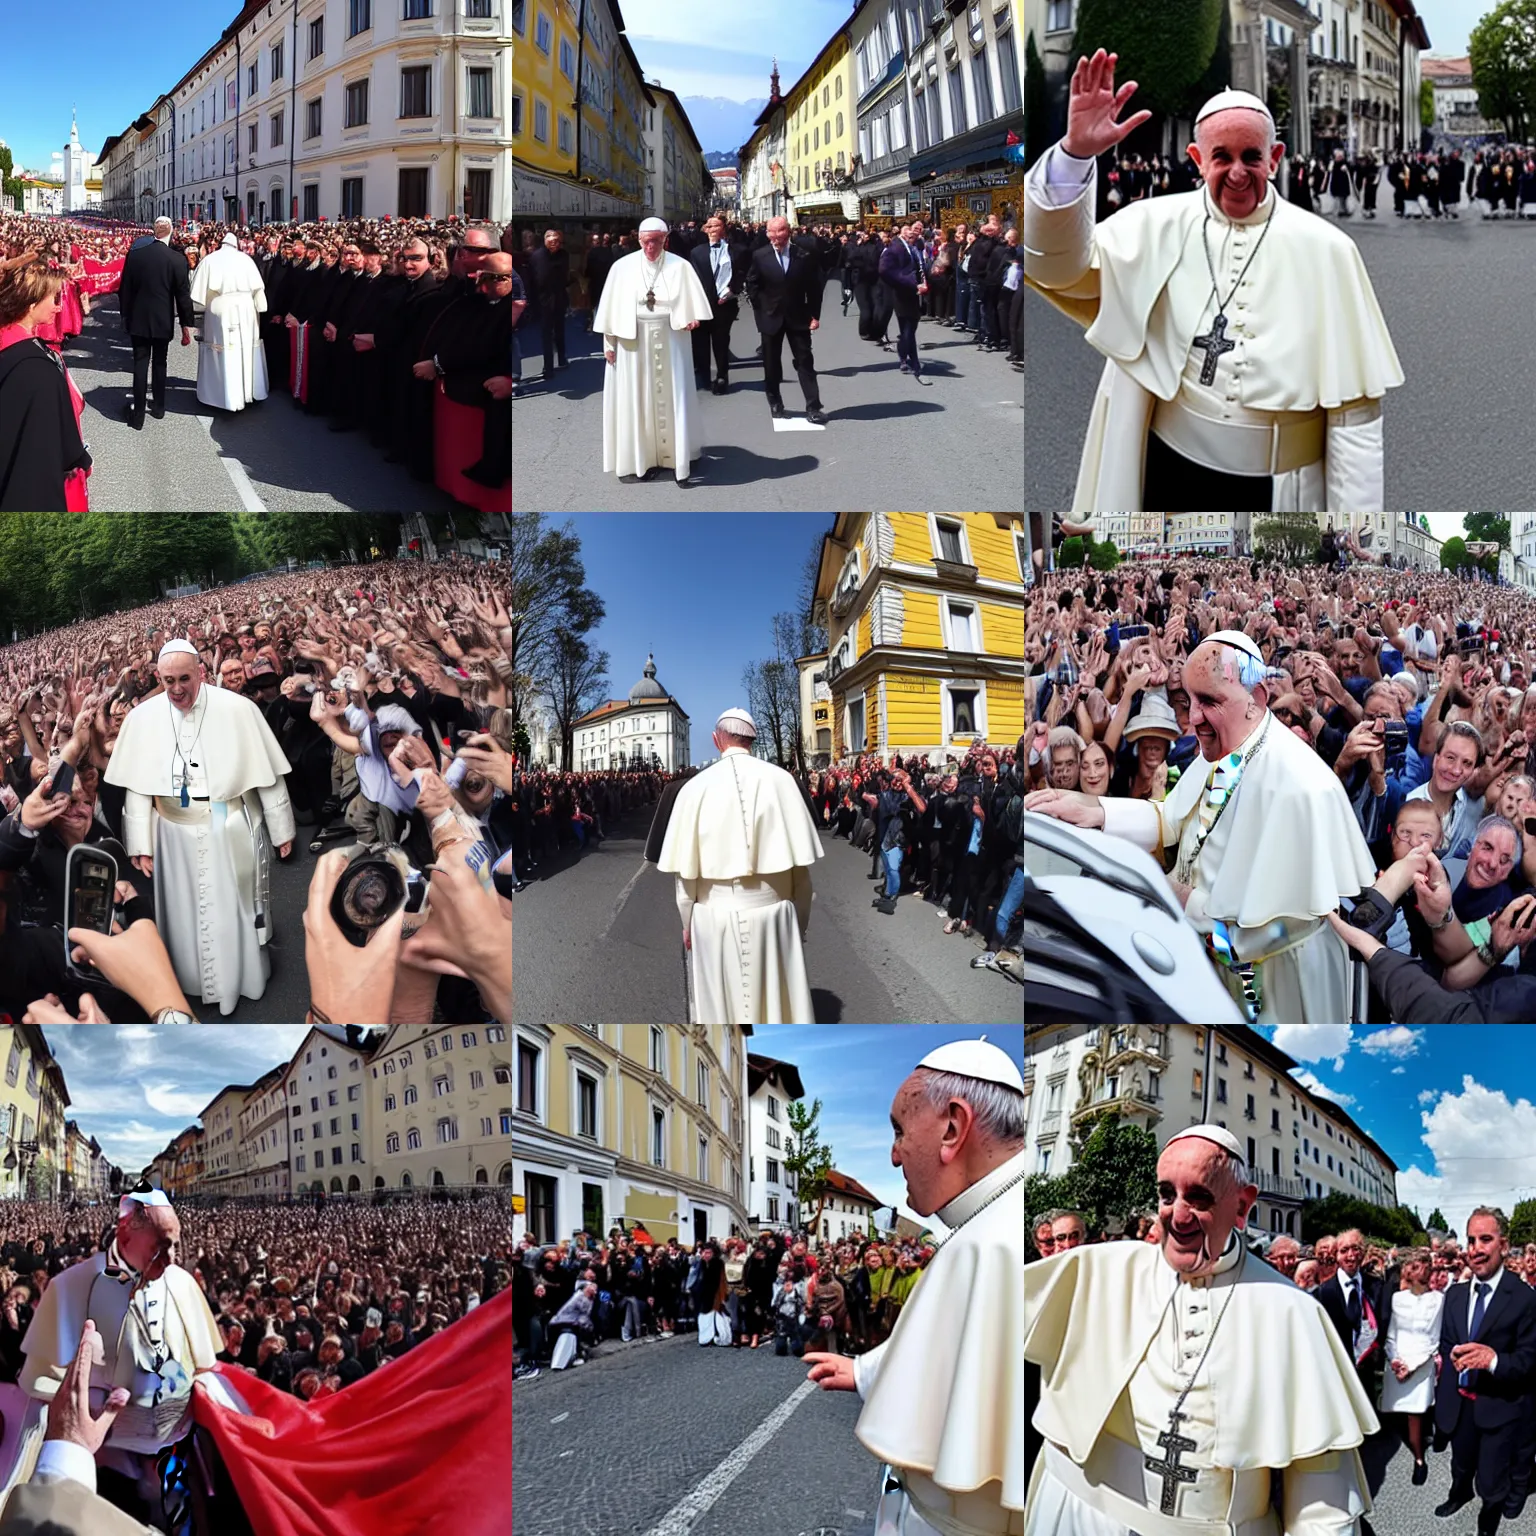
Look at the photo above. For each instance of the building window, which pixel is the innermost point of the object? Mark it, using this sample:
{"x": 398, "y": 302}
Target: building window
{"x": 543, "y": 33}
{"x": 658, "y": 1138}
{"x": 480, "y": 10}
{"x": 353, "y": 1094}
{"x": 476, "y": 1080}
{"x": 565, "y": 136}
{"x": 357, "y": 106}
{"x": 413, "y": 191}
{"x": 1008, "y": 67}
{"x": 481, "y": 100}
{"x": 772, "y": 1174}
{"x": 447, "y": 1129}
{"x": 415, "y": 97}
{"x": 250, "y": 138}
{"x": 959, "y": 121}
{"x": 963, "y": 627}
{"x": 389, "y": 1102}
{"x": 298, "y": 1163}
{"x": 659, "y": 1053}
{"x": 277, "y": 60}
{"x": 527, "y": 1077}
{"x": 312, "y": 118}
{"x": 352, "y": 208}
{"x": 702, "y": 1085}
{"x": 252, "y": 80}
{"x": 440, "y": 1087}
{"x": 418, "y": 10}
{"x": 477, "y": 193}
{"x": 703, "y": 1160}
{"x": 567, "y": 59}
{"x": 1059, "y": 15}
{"x": 950, "y": 541}
{"x": 413, "y": 1139}
{"x": 312, "y": 202}
{"x": 359, "y": 16}
{"x": 317, "y": 36}
{"x": 330, "y": 1099}
{"x": 981, "y": 86}
{"x": 773, "y": 1207}
{"x": 517, "y": 115}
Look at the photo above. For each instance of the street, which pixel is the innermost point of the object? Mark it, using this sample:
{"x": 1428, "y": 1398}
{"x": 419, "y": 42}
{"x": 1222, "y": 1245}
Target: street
{"x": 659, "y": 1438}
{"x": 270, "y": 457}
{"x": 956, "y": 444}
{"x": 599, "y": 940}
{"x": 1403, "y": 1510}
{"x": 1448, "y": 291}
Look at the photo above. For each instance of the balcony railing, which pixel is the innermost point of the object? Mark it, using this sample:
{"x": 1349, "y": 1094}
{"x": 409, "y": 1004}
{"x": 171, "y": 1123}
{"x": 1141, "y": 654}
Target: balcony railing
{"x": 1050, "y": 1122}
{"x": 1278, "y": 1187}
{"x": 1151, "y": 1048}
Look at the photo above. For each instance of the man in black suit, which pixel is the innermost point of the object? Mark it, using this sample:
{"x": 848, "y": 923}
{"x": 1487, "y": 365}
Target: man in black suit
{"x": 156, "y": 288}
{"x": 722, "y": 268}
{"x": 1487, "y": 1367}
{"x": 551, "y": 272}
{"x": 1359, "y": 1310}
{"x": 785, "y": 285}
{"x": 903, "y": 273}
{"x": 864, "y": 261}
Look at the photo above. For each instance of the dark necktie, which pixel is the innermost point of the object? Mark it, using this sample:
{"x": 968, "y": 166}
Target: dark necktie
{"x": 1478, "y": 1308}
{"x": 1352, "y": 1307}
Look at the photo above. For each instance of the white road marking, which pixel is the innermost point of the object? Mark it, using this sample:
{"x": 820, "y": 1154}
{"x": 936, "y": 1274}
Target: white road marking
{"x": 560, "y": 1418}
{"x": 249, "y": 500}
{"x": 686, "y": 1514}
{"x": 795, "y": 424}
{"x": 618, "y": 906}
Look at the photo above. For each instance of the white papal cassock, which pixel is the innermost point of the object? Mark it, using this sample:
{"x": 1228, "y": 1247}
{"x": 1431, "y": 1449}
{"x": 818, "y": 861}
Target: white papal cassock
{"x": 741, "y": 843}
{"x": 1283, "y": 853}
{"x": 650, "y": 417}
{"x": 1118, "y": 1334}
{"x": 211, "y": 855}
{"x": 1298, "y": 395}
{"x": 944, "y": 1395}
{"x": 166, "y": 1320}
{"x": 231, "y": 361}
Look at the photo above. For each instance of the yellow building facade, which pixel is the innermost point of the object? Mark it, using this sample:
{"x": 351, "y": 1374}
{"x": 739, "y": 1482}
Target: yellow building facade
{"x": 820, "y": 130}
{"x": 924, "y": 615}
{"x": 631, "y": 1125}
{"x": 545, "y": 67}
{"x": 27, "y": 1060}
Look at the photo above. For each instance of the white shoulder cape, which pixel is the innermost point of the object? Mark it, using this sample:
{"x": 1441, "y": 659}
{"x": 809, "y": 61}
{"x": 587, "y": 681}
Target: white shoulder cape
{"x": 241, "y": 751}
{"x": 740, "y": 817}
{"x": 228, "y": 271}
{"x": 947, "y": 1398}
{"x": 1092, "y": 1313}
{"x": 1288, "y": 797}
{"x": 624, "y": 292}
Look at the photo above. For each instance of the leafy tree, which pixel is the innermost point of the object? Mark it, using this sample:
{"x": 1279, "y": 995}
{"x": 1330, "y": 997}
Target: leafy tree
{"x": 1114, "y": 1175}
{"x": 577, "y": 680}
{"x": 549, "y": 596}
{"x": 1437, "y": 1222}
{"x": 1289, "y": 537}
{"x": 1037, "y": 105}
{"x": 1339, "y": 1212}
{"x": 1488, "y": 527}
{"x": 1424, "y": 521}
{"x": 810, "y": 1162}
{"x": 1072, "y": 553}
{"x": 1426, "y": 103}
{"x": 1103, "y": 556}
{"x": 1165, "y": 48}
{"x": 1522, "y": 1225}
{"x": 1218, "y": 73}
{"x": 1503, "y": 54}
{"x": 1453, "y": 553}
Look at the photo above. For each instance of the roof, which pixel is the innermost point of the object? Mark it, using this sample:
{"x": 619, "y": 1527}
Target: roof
{"x": 761, "y": 1068}
{"x": 647, "y": 687}
{"x": 617, "y": 706}
{"x": 1413, "y": 23}
{"x": 843, "y": 1185}
{"x": 677, "y": 107}
{"x": 227, "y": 1088}
{"x": 1445, "y": 69}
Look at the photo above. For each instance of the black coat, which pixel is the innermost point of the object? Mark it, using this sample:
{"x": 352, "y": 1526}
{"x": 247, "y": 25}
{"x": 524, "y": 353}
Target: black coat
{"x": 155, "y": 291}
{"x": 784, "y": 301}
{"x": 1509, "y": 1329}
{"x": 551, "y": 274}
{"x": 39, "y": 441}
{"x": 1330, "y": 1296}
{"x": 741, "y": 258}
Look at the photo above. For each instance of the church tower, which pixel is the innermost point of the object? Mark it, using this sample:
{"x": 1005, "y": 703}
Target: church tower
{"x": 75, "y": 161}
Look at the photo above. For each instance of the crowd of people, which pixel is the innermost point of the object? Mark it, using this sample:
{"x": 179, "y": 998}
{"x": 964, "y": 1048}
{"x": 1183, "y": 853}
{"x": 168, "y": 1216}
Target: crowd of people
{"x": 309, "y": 1298}
{"x": 964, "y": 278}
{"x": 385, "y": 690}
{"x": 556, "y": 812}
{"x": 398, "y": 328}
{"x": 1413, "y": 689}
{"x": 782, "y": 1290}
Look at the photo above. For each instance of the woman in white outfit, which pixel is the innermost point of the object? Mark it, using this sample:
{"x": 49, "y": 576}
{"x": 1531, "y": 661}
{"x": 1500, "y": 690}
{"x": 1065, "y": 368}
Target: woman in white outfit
{"x": 1413, "y": 1336}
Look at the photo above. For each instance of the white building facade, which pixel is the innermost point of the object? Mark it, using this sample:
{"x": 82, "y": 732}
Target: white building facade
{"x": 650, "y": 730}
{"x": 1522, "y": 536}
{"x": 327, "y": 1106}
{"x": 771, "y": 1196}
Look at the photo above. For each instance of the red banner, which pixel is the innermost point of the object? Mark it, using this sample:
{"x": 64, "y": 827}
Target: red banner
{"x": 422, "y": 1447}
{"x": 102, "y": 276}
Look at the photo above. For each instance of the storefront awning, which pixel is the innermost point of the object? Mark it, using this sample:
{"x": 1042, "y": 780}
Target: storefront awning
{"x": 971, "y": 151}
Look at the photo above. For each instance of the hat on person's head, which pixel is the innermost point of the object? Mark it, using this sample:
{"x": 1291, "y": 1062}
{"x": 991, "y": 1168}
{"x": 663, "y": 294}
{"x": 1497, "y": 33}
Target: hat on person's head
{"x": 176, "y": 648}
{"x": 653, "y": 226}
{"x": 1227, "y": 101}
{"x": 1154, "y": 718}
{"x": 391, "y": 717}
{"x": 737, "y": 722}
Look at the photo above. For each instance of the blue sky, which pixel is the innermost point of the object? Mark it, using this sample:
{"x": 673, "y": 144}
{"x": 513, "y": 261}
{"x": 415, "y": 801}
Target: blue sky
{"x": 1450, "y": 1104}
{"x": 855, "y": 1071}
{"x": 1450, "y": 22}
{"x": 134, "y": 1086}
{"x": 94, "y": 56}
{"x": 726, "y": 47}
{"x": 700, "y": 589}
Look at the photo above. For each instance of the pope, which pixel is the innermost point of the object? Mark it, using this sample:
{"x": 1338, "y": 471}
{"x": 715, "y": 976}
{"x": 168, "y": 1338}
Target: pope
{"x": 1180, "y": 1381}
{"x": 944, "y": 1395}
{"x": 1246, "y": 357}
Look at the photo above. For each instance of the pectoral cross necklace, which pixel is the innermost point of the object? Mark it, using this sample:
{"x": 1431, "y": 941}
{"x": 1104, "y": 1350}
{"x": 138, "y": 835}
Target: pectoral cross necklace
{"x": 1170, "y": 1468}
{"x": 1215, "y": 342}
{"x": 655, "y": 276}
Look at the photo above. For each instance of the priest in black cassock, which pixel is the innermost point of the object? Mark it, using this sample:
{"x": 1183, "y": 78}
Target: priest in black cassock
{"x": 472, "y": 342}
{"x": 331, "y": 310}
{"x": 410, "y": 396}
{"x": 279, "y": 272}
{"x": 355, "y": 320}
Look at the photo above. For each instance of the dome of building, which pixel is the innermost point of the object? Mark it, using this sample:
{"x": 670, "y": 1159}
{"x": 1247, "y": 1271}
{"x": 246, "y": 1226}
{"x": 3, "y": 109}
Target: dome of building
{"x": 647, "y": 687}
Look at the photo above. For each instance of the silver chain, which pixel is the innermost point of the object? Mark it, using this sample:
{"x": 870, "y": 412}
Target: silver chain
{"x": 1018, "y": 1178}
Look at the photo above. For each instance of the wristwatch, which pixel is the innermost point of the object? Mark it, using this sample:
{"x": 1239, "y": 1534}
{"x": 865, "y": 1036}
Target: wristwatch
{"x": 174, "y": 1016}
{"x": 1445, "y": 922}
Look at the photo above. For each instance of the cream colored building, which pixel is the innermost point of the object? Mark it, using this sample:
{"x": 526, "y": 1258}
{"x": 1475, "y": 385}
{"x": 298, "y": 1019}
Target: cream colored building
{"x": 1299, "y": 1145}
{"x": 847, "y": 1210}
{"x": 632, "y": 1124}
{"x": 439, "y": 1108}
{"x": 222, "y": 1161}
{"x": 30, "y": 1100}
{"x": 263, "y": 1135}
{"x": 327, "y": 1115}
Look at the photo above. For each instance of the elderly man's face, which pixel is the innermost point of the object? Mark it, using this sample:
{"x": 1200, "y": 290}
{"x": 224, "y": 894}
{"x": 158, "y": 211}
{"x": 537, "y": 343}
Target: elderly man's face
{"x": 1064, "y": 766}
{"x": 1198, "y": 1204}
{"x": 1513, "y": 800}
{"x": 183, "y": 677}
{"x": 918, "y": 1131}
{"x": 1485, "y": 1247}
{"x": 1221, "y": 711}
{"x": 653, "y": 242}
{"x": 1236, "y": 154}
{"x": 1069, "y": 1232}
{"x": 150, "y": 1247}
{"x": 778, "y": 233}
{"x": 1351, "y": 1250}
{"x": 1491, "y": 859}
{"x": 1285, "y": 1257}
{"x": 1045, "y": 1241}
{"x": 232, "y": 673}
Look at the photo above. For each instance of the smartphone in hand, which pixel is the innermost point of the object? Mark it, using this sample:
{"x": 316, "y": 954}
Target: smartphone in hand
{"x": 90, "y": 877}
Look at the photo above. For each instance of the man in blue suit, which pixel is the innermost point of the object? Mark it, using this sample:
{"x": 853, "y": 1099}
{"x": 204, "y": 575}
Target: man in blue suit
{"x": 1487, "y": 1367}
{"x": 903, "y": 273}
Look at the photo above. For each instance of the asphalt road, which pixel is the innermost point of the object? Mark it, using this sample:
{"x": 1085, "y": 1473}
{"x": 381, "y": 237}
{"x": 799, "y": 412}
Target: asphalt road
{"x": 1403, "y": 1510}
{"x": 954, "y": 445}
{"x": 270, "y": 457}
{"x": 665, "y": 1438}
{"x": 1453, "y": 297}
{"x": 598, "y": 940}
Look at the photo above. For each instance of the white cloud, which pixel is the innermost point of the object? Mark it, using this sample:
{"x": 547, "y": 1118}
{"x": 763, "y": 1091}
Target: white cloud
{"x": 1465, "y": 1133}
{"x": 1314, "y": 1042}
{"x": 1398, "y": 1071}
{"x": 1314, "y": 1084}
{"x": 1429, "y": 1095}
{"x": 1398, "y": 1042}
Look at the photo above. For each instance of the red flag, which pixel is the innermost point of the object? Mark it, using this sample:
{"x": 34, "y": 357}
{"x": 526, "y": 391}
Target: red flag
{"x": 422, "y": 1447}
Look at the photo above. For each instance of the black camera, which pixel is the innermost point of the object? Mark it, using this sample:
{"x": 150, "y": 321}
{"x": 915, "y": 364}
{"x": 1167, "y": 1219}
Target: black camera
{"x": 378, "y": 881}
{"x": 1395, "y": 738}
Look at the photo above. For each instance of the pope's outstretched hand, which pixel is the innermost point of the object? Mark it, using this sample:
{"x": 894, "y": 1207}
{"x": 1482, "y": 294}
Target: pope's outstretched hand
{"x": 832, "y": 1373}
{"x": 1066, "y": 805}
{"x": 1094, "y": 105}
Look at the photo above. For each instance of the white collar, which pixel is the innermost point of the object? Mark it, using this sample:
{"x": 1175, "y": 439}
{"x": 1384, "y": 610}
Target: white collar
{"x": 970, "y": 1200}
{"x": 1492, "y": 1285}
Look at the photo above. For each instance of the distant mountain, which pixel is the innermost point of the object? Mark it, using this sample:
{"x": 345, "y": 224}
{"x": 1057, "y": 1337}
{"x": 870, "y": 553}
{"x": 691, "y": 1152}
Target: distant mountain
{"x": 717, "y": 159}
{"x": 722, "y": 124}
